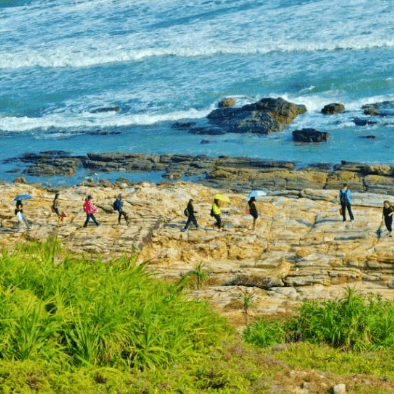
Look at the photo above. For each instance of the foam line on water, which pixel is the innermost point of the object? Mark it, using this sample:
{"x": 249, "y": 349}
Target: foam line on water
{"x": 89, "y": 120}
{"x": 78, "y": 55}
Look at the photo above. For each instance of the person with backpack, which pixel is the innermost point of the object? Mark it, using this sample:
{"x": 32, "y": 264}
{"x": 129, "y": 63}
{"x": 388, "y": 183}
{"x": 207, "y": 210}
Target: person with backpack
{"x": 388, "y": 212}
{"x": 252, "y": 210}
{"x": 345, "y": 197}
{"x": 118, "y": 206}
{"x": 89, "y": 209}
{"x": 189, "y": 212}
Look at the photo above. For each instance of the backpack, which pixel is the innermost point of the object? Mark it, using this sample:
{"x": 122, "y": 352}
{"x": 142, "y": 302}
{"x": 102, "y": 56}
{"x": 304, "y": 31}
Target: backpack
{"x": 343, "y": 197}
{"x": 186, "y": 212}
{"x": 117, "y": 205}
{"x": 212, "y": 214}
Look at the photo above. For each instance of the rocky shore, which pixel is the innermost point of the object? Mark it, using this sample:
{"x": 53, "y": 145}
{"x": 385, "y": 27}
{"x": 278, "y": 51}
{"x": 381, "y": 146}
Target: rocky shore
{"x": 231, "y": 173}
{"x": 300, "y": 248}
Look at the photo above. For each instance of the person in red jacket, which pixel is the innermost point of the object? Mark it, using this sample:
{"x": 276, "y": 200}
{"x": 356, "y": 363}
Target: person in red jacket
{"x": 89, "y": 209}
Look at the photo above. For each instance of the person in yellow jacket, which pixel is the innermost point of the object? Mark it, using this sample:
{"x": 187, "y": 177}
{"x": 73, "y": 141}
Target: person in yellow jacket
{"x": 216, "y": 212}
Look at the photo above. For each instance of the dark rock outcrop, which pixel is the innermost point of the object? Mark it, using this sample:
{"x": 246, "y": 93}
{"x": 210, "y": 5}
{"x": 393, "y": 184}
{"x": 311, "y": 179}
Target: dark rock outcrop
{"x": 105, "y": 109}
{"x": 263, "y": 117}
{"x": 364, "y": 122}
{"x": 310, "y": 135}
{"x": 333, "y": 108}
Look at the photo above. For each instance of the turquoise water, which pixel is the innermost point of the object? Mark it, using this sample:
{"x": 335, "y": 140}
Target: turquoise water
{"x": 164, "y": 61}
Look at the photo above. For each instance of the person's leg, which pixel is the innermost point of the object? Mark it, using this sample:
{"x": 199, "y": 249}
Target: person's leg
{"x": 87, "y": 220}
{"x": 344, "y": 212}
{"x": 119, "y": 215}
{"x": 125, "y": 216}
{"x": 26, "y": 221}
{"x": 194, "y": 220}
{"x": 218, "y": 221}
{"x": 349, "y": 208}
{"x": 94, "y": 220}
{"x": 189, "y": 220}
{"x": 389, "y": 223}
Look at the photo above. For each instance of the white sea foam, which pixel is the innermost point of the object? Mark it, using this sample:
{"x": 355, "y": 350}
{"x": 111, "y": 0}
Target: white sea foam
{"x": 88, "y": 57}
{"x": 88, "y": 120}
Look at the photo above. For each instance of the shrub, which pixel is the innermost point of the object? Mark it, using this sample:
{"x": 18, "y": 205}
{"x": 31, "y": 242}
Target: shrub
{"x": 357, "y": 322}
{"x": 76, "y": 312}
{"x": 264, "y": 333}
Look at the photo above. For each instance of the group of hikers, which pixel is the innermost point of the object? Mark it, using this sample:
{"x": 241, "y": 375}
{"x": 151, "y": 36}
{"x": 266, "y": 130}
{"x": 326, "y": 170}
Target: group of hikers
{"x": 344, "y": 195}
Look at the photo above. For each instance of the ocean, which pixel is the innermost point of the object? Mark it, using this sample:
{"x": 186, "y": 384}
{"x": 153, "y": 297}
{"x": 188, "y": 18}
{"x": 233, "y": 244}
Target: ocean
{"x": 114, "y": 75}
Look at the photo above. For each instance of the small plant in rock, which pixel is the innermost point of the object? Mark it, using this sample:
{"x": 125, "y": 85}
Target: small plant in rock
{"x": 194, "y": 279}
{"x": 247, "y": 303}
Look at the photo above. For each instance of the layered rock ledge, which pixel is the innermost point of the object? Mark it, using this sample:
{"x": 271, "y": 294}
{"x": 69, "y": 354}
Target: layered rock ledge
{"x": 234, "y": 173}
{"x": 300, "y": 248}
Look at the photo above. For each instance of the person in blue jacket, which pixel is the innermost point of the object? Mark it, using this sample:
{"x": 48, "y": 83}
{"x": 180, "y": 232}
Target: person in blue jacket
{"x": 118, "y": 206}
{"x": 345, "y": 197}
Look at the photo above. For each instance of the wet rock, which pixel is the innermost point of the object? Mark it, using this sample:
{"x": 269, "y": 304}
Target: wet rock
{"x": 310, "y": 135}
{"x": 227, "y": 103}
{"x": 368, "y": 137}
{"x": 384, "y": 108}
{"x": 364, "y": 122}
{"x": 333, "y": 108}
{"x": 207, "y": 131}
{"x": 105, "y": 109}
{"x": 263, "y": 117}
{"x": 183, "y": 125}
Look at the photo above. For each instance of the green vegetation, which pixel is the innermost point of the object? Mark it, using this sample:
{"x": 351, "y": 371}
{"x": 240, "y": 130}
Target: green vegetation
{"x": 356, "y": 322}
{"x": 75, "y": 325}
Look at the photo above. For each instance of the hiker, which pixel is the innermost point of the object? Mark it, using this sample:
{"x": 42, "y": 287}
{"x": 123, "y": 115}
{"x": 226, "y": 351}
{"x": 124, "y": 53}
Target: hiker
{"x": 252, "y": 210}
{"x": 118, "y": 206}
{"x": 387, "y": 216}
{"x": 56, "y": 208}
{"x": 21, "y": 216}
{"x": 89, "y": 208}
{"x": 345, "y": 197}
{"x": 189, "y": 212}
{"x": 215, "y": 212}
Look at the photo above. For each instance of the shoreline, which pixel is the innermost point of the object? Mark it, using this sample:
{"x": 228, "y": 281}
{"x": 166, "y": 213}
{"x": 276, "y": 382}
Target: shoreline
{"x": 237, "y": 174}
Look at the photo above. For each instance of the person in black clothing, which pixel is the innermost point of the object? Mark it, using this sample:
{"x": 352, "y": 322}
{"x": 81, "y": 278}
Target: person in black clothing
{"x": 388, "y": 212}
{"x": 118, "y": 206}
{"x": 190, "y": 213}
{"x": 253, "y": 210}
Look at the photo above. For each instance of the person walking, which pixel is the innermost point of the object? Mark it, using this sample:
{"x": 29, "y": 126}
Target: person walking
{"x": 345, "y": 197}
{"x": 118, "y": 206}
{"x": 252, "y": 210}
{"x": 21, "y": 216}
{"x": 216, "y": 212}
{"x": 190, "y": 214}
{"x": 89, "y": 209}
{"x": 56, "y": 208}
{"x": 387, "y": 217}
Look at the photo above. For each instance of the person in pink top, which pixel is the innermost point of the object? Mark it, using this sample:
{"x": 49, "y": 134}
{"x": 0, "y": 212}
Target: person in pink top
{"x": 89, "y": 209}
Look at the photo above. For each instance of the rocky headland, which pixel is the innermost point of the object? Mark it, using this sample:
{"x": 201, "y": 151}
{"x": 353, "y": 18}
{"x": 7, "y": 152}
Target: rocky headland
{"x": 300, "y": 248}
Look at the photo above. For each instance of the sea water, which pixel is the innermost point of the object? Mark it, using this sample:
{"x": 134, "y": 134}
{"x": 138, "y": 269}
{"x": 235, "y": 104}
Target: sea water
{"x": 131, "y": 68}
